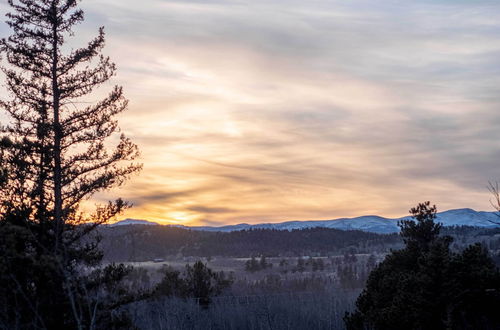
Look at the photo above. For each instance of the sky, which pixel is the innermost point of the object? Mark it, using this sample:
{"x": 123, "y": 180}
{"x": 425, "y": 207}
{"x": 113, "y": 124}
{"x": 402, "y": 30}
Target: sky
{"x": 266, "y": 111}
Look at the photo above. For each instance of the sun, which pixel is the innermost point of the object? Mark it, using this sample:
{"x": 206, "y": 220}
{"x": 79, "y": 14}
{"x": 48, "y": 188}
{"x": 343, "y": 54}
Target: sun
{"x": 179, "y": 217}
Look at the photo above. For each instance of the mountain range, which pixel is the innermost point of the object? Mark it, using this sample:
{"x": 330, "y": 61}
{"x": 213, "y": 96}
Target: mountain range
{"x": 370, "y": 223}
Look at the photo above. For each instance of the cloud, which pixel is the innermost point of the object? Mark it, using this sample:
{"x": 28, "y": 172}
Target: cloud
{"x": 209, "y": 210}
{"x": 264, "y": 111}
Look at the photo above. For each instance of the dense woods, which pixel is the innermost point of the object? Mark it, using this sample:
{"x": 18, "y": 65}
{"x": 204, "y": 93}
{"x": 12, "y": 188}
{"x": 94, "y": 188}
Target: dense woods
{"x": 142, "y": 243}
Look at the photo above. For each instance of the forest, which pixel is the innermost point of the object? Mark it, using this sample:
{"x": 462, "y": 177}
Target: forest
{"x": 146, "y": 243}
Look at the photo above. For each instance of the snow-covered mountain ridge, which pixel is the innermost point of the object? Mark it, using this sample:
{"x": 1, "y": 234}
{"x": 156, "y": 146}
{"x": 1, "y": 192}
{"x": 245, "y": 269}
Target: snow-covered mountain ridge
{"x": 128, "y": 222}
{"x": 370, "y": 223}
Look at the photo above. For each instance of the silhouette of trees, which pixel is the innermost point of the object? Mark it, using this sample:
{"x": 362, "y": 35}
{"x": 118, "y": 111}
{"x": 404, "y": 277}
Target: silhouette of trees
{"x": 252, "y": 265}
{"x": 426, "y": 286}
{"x": 301, "y": 265}
{"x": 53, "y": 157}
{"x": 197, "y": 281}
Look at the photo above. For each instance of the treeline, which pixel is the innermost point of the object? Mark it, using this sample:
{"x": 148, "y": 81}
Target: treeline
{"x": 142, "y": 243}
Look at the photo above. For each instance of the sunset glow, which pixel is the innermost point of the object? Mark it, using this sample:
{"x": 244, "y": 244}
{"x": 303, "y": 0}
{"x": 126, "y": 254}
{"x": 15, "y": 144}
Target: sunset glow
{"x": 266, "y": 111}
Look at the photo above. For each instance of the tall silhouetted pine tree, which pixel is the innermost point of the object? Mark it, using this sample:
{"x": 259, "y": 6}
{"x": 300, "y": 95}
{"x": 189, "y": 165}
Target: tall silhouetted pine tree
{"x": 54, "y": 156}
{"x": 57, "y": 137}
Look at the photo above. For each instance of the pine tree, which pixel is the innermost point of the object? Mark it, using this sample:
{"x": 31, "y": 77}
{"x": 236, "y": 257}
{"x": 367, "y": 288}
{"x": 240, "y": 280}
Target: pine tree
{"x": 252, "y": 265}
{"x": 263, "y": 264}
{"x": 426, "y": 286}
{"x": 54, "y": 156}
{"x": 420, "y": 232}
{"x": 57, "y": 138}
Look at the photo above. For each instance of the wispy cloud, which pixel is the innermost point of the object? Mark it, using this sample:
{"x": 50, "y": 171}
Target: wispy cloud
{"x": 264, "y": 111}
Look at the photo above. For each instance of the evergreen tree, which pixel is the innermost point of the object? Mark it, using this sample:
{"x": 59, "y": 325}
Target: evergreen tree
{"x": 263, "y": 264}
{"x": 171, "y": 283}
{"x": 53, "y": 157}
{"x": 197, "y": 281}
{"x": 300, "y": 265}
{"x": 371, "y": 262}
{"x": 426, "y": 286}
{"x": 57, "y": 156}
{"x": 252, "y": 265}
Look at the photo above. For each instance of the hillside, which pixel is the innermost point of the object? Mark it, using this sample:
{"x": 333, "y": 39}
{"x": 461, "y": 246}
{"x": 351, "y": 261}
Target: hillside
{"x": 371, "y": 223}
{"x": 144, "y": 242}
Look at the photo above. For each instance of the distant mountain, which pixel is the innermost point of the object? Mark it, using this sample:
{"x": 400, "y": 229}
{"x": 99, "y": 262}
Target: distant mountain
{"x": 127, "y": 222}
{"x": 366, "y": 223}
{"x": 370, "y": 223}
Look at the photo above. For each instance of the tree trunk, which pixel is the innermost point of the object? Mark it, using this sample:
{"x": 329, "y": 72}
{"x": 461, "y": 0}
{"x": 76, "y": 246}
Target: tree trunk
{"x": 58, "y": 218}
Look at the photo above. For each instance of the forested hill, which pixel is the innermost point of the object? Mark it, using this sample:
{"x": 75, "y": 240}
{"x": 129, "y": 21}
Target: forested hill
{"x": 143, "y": 242}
